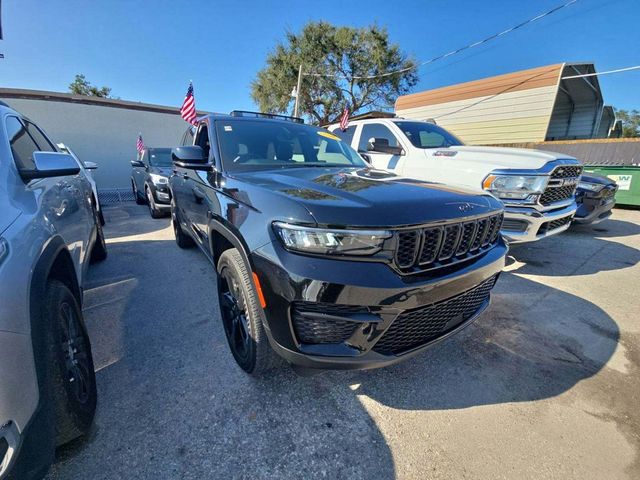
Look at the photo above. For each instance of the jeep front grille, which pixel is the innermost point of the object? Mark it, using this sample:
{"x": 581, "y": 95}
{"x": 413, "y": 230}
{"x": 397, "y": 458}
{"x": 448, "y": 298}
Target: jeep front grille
{"x": 430, "y": 247}
{"x": 558, "y": 189}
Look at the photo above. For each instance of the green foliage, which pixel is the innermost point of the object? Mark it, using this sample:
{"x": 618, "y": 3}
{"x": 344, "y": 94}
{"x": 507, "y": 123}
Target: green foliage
{"x": 630, "y": 122}
{"x": 344, "y": 52}
{"x": 81, "y": 86}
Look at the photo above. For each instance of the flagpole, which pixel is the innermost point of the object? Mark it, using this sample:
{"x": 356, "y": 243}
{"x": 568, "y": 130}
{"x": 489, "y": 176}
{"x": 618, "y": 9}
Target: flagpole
{"x": 295, "y": 110}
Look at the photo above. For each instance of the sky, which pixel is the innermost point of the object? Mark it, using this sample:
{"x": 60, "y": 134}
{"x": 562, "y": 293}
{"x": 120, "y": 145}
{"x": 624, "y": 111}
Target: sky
{"x": 148, "y": 50}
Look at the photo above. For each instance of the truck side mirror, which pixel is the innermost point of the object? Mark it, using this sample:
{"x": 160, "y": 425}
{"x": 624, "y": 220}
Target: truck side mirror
{"x": 381, "y": 145}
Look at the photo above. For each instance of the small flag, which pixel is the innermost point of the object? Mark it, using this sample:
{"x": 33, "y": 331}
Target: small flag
{"x": 139, "y": 143}
{"x": 188, "y": 110}
{"x": 344, "y": 120}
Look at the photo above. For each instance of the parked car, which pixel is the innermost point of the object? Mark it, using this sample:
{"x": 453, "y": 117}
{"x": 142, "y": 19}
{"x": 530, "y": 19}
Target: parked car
{"x": 86, "y": 169}
{"x": 150, "y": 180}
{"x": 49, "y": 232}
{"x": 537, "y": 188}
{"x": 596, "y": 196}
{"x": 321, "y": 258}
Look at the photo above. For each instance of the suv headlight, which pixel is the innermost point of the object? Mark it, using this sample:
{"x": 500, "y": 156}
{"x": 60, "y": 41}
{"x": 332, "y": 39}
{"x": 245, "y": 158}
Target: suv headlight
{"x": 158, "y": 179}
{"x": 330, "y": 241}
{"x": 517, "y": 187}
{"x": 592, "y": 187}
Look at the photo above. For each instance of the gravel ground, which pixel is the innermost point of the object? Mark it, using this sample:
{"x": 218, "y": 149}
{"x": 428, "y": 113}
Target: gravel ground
{"x": 545, "y": 384}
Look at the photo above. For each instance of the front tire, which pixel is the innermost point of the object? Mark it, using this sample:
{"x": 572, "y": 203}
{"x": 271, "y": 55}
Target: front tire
{"x": 182, "y": 239}
{"x": 242, "y": 316}
{"x": 99, "y": 251}
{"x": 136, "y": 194}
{"x": 72, "y": 381}
{"x": 153, "y": 210}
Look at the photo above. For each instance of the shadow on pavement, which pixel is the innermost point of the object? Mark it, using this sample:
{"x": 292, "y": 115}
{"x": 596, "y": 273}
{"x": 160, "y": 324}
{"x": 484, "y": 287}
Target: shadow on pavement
{"x": 608, "y": 228}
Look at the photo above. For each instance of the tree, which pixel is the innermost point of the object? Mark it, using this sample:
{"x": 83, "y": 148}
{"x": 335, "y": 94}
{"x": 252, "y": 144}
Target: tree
{"x": 338, "y": 55}
{"x": 81, "y": 86}
{"x": 630, "y": 122}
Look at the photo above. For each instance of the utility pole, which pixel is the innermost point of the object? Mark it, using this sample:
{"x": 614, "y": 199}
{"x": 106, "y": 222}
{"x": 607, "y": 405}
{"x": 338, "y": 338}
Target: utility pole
{"x": 295, "y": 110}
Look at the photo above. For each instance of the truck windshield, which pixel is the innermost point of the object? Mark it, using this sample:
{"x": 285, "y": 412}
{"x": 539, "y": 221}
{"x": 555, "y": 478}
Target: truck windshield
{"x": 257, "y": 145}
{"x": 427, "y": 135}
{"x": 160, "y": 157}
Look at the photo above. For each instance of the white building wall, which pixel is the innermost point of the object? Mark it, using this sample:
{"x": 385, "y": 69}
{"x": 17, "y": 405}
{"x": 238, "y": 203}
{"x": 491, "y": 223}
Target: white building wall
{"x": 102, "y": 134}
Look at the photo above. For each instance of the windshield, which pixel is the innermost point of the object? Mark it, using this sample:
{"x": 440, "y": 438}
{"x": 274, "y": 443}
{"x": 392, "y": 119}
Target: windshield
{"x": 427, "y": 135}
{"x": 253, "y": 145}
{"x": 160, "y": 157}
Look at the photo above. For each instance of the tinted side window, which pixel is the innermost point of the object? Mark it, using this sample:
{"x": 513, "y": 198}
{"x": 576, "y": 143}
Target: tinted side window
{"x": 21, "y": 143}
{"x": 202, "y": 139}
{"x": 187, "y": 138}
{"x": 347, "y": 135}
{"x": 44, "y": 145}
{"x": 375, "y": 130}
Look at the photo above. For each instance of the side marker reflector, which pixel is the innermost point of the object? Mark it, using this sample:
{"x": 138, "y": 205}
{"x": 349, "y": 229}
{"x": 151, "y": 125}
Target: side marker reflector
{"x": 263, "y": 303}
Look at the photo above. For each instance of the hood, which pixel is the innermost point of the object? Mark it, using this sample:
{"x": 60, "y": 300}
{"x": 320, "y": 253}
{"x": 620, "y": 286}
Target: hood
{"x": 501, "y": 157}
{"x": 594, "y": 178}
{"x": 369, "y": 198}
{"x": 164, "y": 171}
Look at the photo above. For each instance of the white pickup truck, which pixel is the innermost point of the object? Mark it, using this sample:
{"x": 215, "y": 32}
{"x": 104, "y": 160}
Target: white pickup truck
{"x": 537, "y": 188}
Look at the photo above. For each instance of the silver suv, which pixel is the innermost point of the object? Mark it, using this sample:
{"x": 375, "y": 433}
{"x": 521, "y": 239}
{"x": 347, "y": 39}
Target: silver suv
{"x": 49, "y": 233}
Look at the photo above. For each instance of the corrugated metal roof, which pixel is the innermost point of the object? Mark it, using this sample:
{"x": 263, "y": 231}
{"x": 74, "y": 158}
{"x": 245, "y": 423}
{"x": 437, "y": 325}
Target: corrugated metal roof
{"x": 510, "y": 82}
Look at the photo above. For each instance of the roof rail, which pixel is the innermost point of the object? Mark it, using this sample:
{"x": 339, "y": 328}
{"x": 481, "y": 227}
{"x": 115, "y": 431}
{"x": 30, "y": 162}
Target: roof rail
{"x": 245, "y": 113}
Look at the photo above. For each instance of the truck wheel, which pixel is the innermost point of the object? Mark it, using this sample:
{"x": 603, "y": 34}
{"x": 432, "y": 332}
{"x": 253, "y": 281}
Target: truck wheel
{"x": 72, "y": 381}
{"x": 242, "y": 315}
{"x": 182, "y": 239}
{"x": 99, "y": 252}
{"x": 136, "y": 195}
{"x": 153, "y": 210}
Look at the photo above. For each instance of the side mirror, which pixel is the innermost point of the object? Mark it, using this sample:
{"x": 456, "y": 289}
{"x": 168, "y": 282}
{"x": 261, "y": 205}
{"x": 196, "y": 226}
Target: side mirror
{"x": 90, "y": 165}
{"x": 51, "y": 164}
{"x": 136, "y": 164}
{"x": 366, "y": 157}
{"x": 191, "y": 157}
{"x": 381, "y": 145}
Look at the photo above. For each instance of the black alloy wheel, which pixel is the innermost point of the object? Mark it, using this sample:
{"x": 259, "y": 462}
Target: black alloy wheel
{"x": 73, "y": 345}
{"x": 234, "y": 317}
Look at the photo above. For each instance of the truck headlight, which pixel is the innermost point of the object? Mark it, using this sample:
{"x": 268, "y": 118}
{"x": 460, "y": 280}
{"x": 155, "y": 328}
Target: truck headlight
{"x": 330, "y": 241}
{"x": 517, "y": 187}
{"x": 592, "y": 187}
{"x": 158, "y": 179}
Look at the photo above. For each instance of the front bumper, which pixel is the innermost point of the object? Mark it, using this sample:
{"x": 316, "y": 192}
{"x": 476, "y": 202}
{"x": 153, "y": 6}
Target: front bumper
{"x": 374, "y": 297}
{"x": 594, "y": 209}
{"x": 161, "y": 196}
{"x": 527, "y": 224}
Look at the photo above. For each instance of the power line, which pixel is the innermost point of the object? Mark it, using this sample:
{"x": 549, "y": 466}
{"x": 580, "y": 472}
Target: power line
{"x": 626, "y": 69}
{"x": 453, "y": 52}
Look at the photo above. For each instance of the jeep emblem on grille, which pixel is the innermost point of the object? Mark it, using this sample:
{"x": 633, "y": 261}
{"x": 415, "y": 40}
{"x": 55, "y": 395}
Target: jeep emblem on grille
{"x": 465, "y": 207}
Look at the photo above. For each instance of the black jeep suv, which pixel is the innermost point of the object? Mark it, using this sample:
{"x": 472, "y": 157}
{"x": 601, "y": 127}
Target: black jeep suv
{"x": 322, "y": 259}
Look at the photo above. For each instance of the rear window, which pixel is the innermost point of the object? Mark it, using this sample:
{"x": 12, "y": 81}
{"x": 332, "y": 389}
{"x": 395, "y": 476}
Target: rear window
{"x": 247, "y": 145}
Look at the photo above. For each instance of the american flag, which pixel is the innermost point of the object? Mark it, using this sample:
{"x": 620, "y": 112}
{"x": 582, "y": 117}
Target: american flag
{"x": 188, "y": 110}
{"x": 344, "y": 120}
{"x": 139, "y": 143}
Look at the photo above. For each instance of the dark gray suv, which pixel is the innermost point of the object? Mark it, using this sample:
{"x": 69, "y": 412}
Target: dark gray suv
{"x": 49, "y": 233}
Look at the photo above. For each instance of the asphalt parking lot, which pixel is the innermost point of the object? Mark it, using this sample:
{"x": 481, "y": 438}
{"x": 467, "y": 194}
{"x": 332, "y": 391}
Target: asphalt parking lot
{"x": 545, "y": 384}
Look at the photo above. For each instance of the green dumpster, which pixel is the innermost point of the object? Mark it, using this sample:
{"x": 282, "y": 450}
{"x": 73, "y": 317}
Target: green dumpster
{"x": 628, "y": 179}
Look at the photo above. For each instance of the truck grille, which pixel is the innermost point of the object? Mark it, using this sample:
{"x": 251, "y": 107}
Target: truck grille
{"x": 415, "y": 328}
{"x": 553, "y": 224}
{"x": 558, "y": 189}
{"x": 429, "y": 247}
{"x": 315, "y": 329}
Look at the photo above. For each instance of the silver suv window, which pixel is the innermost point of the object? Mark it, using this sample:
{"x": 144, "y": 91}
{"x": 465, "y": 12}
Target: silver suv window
{"x": 21, "y": 143}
